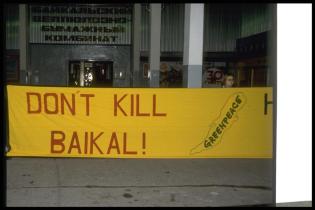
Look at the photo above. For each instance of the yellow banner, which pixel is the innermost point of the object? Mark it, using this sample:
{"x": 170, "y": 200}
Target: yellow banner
{"x": 140, "y": 122}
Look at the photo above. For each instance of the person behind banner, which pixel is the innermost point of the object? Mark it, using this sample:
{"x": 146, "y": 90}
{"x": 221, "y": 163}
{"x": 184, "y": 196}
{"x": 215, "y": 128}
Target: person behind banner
{"x": 228, "y": 81}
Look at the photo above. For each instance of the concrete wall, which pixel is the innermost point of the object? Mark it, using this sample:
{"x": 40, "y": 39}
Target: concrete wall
{"x": 49, "y": 63}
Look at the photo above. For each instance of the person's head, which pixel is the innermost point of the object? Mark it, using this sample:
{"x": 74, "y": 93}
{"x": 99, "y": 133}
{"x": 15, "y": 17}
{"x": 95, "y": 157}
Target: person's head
{"x": 228, "y": 80}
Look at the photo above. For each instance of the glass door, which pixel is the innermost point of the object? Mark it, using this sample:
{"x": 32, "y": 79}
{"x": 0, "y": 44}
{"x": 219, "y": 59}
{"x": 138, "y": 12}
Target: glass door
{"x": 87, "y": 73}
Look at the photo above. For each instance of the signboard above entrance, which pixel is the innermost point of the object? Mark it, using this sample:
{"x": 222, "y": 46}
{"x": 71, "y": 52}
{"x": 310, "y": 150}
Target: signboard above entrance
{"x": 81, "y": 24}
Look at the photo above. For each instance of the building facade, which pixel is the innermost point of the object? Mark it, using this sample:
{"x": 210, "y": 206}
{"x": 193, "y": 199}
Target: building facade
{"x": 112, "y": 45}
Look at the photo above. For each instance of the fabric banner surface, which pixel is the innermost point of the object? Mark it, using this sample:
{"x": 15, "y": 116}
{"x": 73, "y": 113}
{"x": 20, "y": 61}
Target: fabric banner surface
{"x": 140, "y": 122}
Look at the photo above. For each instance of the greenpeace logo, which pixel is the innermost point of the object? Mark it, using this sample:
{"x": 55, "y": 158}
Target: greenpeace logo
{"x": 227, "y": 117}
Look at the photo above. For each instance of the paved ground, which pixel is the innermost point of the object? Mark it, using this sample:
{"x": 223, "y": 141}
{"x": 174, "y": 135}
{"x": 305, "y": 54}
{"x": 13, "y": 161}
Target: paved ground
{"x": 295, "y": 204}
{"x": 138, "y": 182}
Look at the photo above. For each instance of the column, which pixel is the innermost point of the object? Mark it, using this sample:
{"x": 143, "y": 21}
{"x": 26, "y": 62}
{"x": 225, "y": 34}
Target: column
{"x": 136, "y": 41}
{"x": 155, "y": 36}
{"x": 193, "y": 45}
{"x": 23, "y": 44}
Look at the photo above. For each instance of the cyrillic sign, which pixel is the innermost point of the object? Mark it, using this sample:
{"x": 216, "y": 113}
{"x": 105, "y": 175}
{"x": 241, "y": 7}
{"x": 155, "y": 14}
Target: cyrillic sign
{"x": 140, "y": 123}
{"x": 80, "y": 24}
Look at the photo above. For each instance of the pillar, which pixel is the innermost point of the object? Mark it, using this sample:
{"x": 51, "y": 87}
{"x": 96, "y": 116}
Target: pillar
{"x": 136, "y": 41}
{"x": 155, "y": 36}
{"x": 23, "y": 44}
{"x": 193, "y": 45}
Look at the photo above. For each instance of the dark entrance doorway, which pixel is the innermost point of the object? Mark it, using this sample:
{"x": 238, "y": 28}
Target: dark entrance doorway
{"x": 90, "y": 73}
